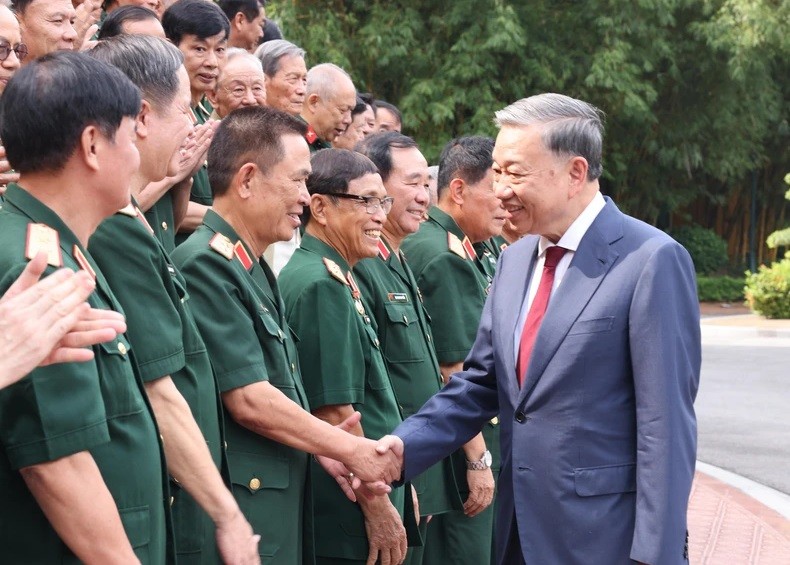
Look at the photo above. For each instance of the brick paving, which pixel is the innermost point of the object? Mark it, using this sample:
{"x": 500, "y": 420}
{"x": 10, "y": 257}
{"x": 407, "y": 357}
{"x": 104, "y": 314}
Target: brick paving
{"x": 728, "y": 527}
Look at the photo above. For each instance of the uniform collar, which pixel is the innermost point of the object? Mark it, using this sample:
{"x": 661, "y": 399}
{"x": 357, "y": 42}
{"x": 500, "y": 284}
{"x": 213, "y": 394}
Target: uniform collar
{"x": 315, "y": 245}
{"x": 218, "y": 224}
{"x": 203, "y": 110}
{"x": 446, "y": 221}
{"x": 33, "y": 208}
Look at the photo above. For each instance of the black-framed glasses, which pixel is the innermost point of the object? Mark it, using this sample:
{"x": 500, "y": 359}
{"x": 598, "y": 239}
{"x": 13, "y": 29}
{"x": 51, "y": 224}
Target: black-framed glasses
{"x": 5, "y": 50}
{"x": 372, "y": 203}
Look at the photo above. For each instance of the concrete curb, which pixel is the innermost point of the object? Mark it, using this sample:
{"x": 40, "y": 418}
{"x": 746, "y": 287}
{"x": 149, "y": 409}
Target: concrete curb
{"x": 772, "y": 498}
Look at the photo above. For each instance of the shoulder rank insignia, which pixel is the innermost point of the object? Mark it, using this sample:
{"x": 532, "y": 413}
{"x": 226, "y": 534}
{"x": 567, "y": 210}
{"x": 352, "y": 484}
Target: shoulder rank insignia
{"x": 455, "y": 245}
{"x": 222, "y": 245}
{"x": 384, "y": 253}
{"x": 42, "y": 238}
{"x": 82, "y": 261}
{"x": 242, "y": 255}
{"x": 134, "y": 212}
{"x": 335, "y": 270}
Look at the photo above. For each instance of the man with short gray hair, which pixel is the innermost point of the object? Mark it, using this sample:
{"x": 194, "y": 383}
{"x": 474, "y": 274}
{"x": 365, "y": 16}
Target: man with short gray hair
{"x": 599, "y": 433}
{"x": 286, "y": 75}
{"x": 241, "y": 83}
{"x": 329, "y": 98}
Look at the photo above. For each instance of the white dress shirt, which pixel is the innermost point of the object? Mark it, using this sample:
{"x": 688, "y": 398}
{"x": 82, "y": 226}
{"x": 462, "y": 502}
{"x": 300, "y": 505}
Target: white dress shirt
{"x": 570, "y": 241}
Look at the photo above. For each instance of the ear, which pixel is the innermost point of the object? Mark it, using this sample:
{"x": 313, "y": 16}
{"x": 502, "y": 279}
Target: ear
{"x": 143, "y": 121}
{"x": 455, "y": 191}
{"x": 318, "y": 209}
{"x": 242, "y": 180}
{"x": 238, "y": 21}
{"x": 88, "y": 147}
{"x": 312, "y": 102}
{"x": 577, "y": 174}
{"x": 212, "y": 95}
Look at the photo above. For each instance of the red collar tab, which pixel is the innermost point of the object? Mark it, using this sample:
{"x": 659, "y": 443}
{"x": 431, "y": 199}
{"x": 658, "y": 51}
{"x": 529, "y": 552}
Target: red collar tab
{"x": 470, "y": 250}
{"x": 384, "y": 253}
{"x": 242, "y": 255}
{"x": 311, "y": 135}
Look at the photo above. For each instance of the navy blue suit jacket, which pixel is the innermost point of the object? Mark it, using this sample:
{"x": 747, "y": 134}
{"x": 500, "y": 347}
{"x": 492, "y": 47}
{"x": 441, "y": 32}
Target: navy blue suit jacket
{"x": 599, "y": 445}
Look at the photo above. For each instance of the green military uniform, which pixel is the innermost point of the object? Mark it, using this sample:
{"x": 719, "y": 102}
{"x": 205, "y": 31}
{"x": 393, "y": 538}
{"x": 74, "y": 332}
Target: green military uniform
{"x": 454, "y": 289}
{"x": 200, "y": 193}
{"x": 161, "y": 218}
{"x": 166, "y": 341}
{"x": 390, "y": 294}
{"x": 342, "y": 364}
{"x": 486, "y": 255}
{"x": 315, "y": 142}
{"x": 65, "y": 409}
{"x": 239, "y": 312}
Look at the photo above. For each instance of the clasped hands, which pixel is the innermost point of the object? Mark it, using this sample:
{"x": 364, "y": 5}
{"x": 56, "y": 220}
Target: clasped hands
{"x": 371, "y": 467}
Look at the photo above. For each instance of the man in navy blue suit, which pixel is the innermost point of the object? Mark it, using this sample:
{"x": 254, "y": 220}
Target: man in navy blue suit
{"x": 589, "y": 350}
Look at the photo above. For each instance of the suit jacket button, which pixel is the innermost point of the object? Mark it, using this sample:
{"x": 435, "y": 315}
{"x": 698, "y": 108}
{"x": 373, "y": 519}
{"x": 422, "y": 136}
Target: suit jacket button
{"x": 520, "y": 417}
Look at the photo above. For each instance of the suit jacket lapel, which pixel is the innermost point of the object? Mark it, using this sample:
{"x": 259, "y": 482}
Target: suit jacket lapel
{"x": 589, "y": 266}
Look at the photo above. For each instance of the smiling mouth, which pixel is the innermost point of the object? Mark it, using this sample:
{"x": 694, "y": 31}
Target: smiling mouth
{"x": 373, "y": 234}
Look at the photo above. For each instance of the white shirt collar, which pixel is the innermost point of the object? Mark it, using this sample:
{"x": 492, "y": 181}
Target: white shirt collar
{"x": 573, "y": 236}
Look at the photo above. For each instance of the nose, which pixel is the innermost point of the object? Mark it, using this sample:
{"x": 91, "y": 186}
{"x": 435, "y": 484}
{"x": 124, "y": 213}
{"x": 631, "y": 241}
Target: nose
{"x": 301, "y": 87}
{"x": 502, "y": 190}
{"x": 249, "y": 99}
{"x": 12, "y": 61}
{"x": 379, "y": 216}
{"x": 422, "y": 196}
{"x": 304, "y": 196}
{"x": 70, "y": 33}
{"x": 211, "y": 60}
{"x": 347, "y": 118}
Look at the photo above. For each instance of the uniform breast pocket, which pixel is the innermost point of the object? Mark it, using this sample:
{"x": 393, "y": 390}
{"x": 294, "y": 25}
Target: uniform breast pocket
{"x": 274, "y": 342}
{"x": 403, "y": 340}
{"x": 119, "y": 386}
{"x": 137, "y": 525}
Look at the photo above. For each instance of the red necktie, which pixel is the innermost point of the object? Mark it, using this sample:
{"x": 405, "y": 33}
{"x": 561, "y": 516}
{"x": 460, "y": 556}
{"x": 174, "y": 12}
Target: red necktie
{"x": 537, "y": 310}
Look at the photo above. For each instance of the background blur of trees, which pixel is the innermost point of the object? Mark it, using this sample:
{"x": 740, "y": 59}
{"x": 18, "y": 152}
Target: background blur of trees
{"x": 696, "y": 91}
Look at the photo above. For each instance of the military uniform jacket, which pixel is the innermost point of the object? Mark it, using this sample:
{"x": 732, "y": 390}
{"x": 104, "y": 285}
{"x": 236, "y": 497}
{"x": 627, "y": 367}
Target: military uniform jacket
{"x": 63, "y": 409}
{"x": 242, "y": 320}
{"x": 166, "y": 341}
{"x": 454, "y": 289}
{"x": 161, "y": 218}
{"x": 342, "y": 364}
{"x": 390, "y": 295}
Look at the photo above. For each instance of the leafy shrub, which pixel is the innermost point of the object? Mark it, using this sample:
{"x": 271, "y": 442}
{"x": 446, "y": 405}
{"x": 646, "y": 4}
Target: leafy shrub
{"x": 720, "y": 289}
{"x": 707, "y": 249}
{"x": 768, "y": 290}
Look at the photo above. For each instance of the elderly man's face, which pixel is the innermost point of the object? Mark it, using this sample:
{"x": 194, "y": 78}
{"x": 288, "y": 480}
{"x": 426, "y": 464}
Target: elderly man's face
{"x": 486, "y": 214}
{"x": 407, "y": 183}
{"x": 241, "y": 84}
{"x": 530, "y": 180}
{"x": 354, "y": 232}
{"x": 47, "y": 26}
{"x": 332, "y": 115}
{"x": 286, "y": 89}
{"x": 386, "y": 121}
{"x": 10, "y": 39}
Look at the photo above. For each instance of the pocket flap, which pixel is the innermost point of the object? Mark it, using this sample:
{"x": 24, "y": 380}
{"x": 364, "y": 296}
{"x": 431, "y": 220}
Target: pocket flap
{"x": 594, "y": 481}
{"x": 137, "y": 525}
{"x": 270, "y": 325}
{"x": 592, "y": 326}
{"x": 400, "y": 313}
{"x": 118, "y": 346}
{"x": 257, "y": 472}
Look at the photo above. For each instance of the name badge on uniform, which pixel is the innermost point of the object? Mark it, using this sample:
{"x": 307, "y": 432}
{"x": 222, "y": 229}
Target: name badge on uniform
{"x": 398, "y": 297}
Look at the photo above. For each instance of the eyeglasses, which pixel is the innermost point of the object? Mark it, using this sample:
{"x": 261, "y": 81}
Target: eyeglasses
{"x": 372, "y": 203}
{"x": 5, "y": 50}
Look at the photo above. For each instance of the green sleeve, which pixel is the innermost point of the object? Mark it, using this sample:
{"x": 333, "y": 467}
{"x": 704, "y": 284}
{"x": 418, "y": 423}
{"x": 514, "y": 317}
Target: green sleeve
{"x": 224, "y": 321}
{"x": 330, "y": 353}
{"x": 137, "y": 271}
{"x": 454, "y": 299}
{"x": 54, "y": 412}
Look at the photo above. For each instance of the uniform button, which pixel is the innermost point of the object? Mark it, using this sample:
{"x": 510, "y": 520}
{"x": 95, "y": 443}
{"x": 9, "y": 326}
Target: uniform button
{"x": 255, "y": 484}
{"x": 293, "y": 367}
{"x": 122, "y": 348}
{"x": 405, "y": 319}
{"x": 520, "y": 417}
{"x": 376, "y": 343}
{"x": 494, "y": 421}
{"x": 265, "y": 309}
{"x": 172, "y": 500}
{"x": 429, "y": 338}
{"x": 164, "y": 226}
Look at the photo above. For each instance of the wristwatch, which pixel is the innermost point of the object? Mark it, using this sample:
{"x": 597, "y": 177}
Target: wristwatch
{"x": 481, "y": 465}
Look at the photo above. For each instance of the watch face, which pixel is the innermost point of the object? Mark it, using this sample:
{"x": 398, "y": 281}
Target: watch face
{"x": 487, "y": 458}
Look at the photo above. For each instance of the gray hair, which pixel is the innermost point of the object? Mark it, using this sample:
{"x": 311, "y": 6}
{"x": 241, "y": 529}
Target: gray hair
{"x": 270, "y": 53}
{"x": 572, "y": 127}
{"x": 322, "y": 80}
{"x": 150, "y": 63}
{"x": 237, "y": 53}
